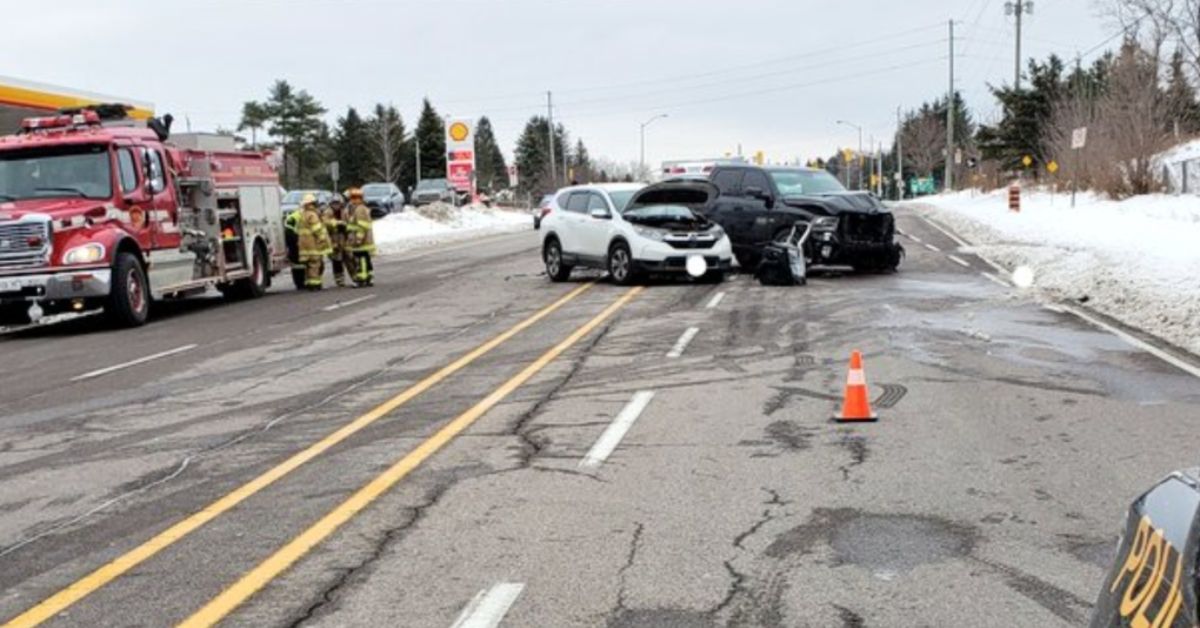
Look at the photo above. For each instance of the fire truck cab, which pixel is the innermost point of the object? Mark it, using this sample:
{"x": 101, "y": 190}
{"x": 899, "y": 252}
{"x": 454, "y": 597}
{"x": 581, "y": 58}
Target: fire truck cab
{"x": 98, "y": 211}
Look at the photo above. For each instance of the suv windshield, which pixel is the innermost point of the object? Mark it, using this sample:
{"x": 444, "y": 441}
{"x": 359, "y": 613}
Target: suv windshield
{"x": 620, "y": 198}
{"x": 795, "y": 182}
{"x": 377, "y": 190}
{"x": 83, "y": 171}
{"x": 431, "y": 184}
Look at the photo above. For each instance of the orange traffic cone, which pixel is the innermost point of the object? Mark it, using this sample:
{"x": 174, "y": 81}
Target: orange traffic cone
{"x": 857, "y": 404}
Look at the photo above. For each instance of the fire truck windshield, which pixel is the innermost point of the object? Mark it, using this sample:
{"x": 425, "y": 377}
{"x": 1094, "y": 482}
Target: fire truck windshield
{"x": 82, "y": 170}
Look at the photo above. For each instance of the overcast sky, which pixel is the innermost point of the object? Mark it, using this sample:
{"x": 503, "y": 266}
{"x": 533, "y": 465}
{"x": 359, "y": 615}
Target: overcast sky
{"x": 772, "y": 76}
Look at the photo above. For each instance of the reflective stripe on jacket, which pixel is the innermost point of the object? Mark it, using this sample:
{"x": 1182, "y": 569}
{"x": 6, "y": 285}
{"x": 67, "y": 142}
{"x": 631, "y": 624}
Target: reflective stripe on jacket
{"x": 361, "y": 236}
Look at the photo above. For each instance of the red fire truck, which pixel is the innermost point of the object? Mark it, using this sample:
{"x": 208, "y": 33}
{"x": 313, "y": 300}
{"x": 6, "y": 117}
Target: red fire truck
{"x": 101, "y": 211}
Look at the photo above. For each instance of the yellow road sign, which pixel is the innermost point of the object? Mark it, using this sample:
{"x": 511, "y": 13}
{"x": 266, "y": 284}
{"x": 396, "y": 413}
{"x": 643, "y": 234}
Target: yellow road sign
{"x": 1027, "y": 160}
{"x": 1052, "y": 167}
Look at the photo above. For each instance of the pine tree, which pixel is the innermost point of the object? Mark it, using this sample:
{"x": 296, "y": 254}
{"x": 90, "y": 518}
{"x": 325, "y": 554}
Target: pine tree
{"x": 1027, "y": 113}
{"x": 581, "y": 163}
{"x": 533, "y": 156}
{"x": 490, "y": 170}
{"x": 1181, "y": 99}
{"x": 295, "y": 118}
{"x": 352, "y": 149}
{"x": 431, "y": 137}
{"x": 254, "y": 117}
{"x": 387, "y": 143}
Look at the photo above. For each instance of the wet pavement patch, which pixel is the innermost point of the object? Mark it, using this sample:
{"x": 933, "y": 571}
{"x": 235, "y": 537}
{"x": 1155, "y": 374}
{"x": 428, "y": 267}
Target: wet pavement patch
{"x": 885, "y": 544}
{"x": 790, "y": 435}
{"x": 660, "y": 617}
{"x": 850, "y": 619}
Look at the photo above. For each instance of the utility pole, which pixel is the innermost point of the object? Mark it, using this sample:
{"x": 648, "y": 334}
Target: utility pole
{"x": 899, "y": 157}
{"x": 550, "y": 128}
{"x": 1017, "y": 8}
{"x": 417, "y": 143}
{"x": 949, "y": 176}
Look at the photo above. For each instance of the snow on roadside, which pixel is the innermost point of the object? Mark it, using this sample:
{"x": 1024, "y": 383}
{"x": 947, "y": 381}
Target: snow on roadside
{"x": 1137, "y": 260}
{"x": 439, "y": 222}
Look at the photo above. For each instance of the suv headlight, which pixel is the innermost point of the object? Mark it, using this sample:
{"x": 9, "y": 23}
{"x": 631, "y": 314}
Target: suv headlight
{"x": 717, "y": 232}
{"x": 825, "y": 223}
{"x": 653, "y": 234}
{"x": 86, "y": 254}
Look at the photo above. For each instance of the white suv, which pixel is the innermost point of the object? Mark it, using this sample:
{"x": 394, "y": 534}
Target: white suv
{"x": 632, "y": 230}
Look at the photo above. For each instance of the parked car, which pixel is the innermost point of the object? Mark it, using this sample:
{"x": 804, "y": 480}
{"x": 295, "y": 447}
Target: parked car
{"x": 433, "y": 191}
{"x": 291, "y": 200}
{"x": 760, "y": 205}
{"x": 632, "y": 230}
{"x": 383, "y": 198}
{"x": 543, "y": 208}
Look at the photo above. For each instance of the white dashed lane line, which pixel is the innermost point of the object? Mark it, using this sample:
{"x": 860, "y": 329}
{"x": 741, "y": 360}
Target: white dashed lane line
{"x": 914, "y": 238}
{"x": 715, "y": 301}
{"x": 960, "y": 261}
{"x": 616, "y": 430}
{"x": 125, "y": 365}
{"x": 682, "y": 343}
{"x": 341, "y": 304}
{"x": 996, "y": 280}
{"x": 488, "y": 608}
{"x": 933, "y": 248}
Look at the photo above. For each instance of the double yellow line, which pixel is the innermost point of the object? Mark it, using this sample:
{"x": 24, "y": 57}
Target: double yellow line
{"x": 258, "y": 577}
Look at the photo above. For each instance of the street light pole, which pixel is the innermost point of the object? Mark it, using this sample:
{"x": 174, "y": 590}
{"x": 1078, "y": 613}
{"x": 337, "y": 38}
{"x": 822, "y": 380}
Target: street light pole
{"x": 860, "y": 150}
{"x": 642, "y": 157}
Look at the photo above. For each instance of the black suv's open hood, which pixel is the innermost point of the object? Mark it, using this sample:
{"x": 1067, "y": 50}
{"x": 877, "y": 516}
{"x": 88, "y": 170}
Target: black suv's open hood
{"x": 695, "y": 195}
{"x": 836, "y": 203}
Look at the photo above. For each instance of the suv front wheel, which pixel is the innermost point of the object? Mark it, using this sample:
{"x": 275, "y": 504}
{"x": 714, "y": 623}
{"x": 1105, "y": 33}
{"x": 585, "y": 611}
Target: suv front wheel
{"x": 620, "y": 264}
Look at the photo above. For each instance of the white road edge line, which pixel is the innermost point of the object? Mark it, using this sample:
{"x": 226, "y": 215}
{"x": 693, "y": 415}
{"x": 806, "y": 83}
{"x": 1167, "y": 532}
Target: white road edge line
{"x": 933, "y": 248}
{"x": 616, "y": 430}
{"x": 125, "y": 365}
{"x": 341, "y": 304}
{"x": 960, "y": 261}
{"x": 963, "y": 243}
{"x": 683, "y": 341}
{"x": 996, "y": 280}
{"x": 715, "y": 301}
{"x": 1135, "y": 341}
{"x": 488, "y": 608}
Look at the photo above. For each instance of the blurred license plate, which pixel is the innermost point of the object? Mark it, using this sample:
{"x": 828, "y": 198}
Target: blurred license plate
{"x": 11, "y": 285}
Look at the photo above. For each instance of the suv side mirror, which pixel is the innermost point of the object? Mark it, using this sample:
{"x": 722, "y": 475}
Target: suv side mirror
{"x": 600, "y": 214}
{"x": 760, "y": 194}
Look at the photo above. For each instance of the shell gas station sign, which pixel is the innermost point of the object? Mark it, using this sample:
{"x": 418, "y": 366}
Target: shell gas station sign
{"x": 460, "y": 154}
{"x": 22, "y": 99}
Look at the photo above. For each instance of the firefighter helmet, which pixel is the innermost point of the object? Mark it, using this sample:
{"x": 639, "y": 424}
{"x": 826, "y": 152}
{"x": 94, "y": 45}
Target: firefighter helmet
{"x": 309, "y": 199}
{"x": 354, "y": 193}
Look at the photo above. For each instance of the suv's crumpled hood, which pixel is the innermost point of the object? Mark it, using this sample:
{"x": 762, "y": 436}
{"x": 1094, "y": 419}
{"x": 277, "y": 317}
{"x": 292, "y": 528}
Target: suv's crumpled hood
{"x": 839, "y": 203}
{"x": 55, "y": 208}
{"x": 695, "y": 195}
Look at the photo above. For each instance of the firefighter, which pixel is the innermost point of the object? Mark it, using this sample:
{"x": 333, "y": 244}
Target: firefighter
{"x": 291, "y": 238}
{"x": 334, "y": 217}
{"x": 313, "y": 243}
{"x": 360, "y": 239}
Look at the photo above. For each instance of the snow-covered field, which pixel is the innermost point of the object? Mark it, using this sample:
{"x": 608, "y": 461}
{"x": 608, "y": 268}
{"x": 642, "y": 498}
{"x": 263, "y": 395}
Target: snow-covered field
{"x": 1137, "y": 260}
{"x": 439, "y": 222}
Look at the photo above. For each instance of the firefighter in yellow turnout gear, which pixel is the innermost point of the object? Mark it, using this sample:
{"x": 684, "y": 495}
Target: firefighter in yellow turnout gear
{"x": 360, "y": 239}
{"x": 313, "y": 243}
{"x": 291, "y": 237}
{"x": 335, "y": 217}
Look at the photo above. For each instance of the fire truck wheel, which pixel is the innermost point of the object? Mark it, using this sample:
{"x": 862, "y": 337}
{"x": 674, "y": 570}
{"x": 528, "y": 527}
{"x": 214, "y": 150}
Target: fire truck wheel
{"x": 253, "y": 286}
{"x": 128, "y": 303}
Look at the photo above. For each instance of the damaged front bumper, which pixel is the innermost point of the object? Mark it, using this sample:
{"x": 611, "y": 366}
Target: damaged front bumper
{"x": 63, "y": 286}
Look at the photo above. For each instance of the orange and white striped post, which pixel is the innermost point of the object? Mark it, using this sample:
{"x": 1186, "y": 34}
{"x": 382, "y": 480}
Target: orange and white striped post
{"x": 1014, "y": 197}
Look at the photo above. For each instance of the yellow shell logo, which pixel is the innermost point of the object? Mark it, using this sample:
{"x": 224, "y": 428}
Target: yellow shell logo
{"x": 459, "y": 131}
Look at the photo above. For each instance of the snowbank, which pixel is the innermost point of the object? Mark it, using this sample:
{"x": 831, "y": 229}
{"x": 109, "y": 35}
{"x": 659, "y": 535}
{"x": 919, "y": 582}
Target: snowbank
{"x": 1137, "y": 260}
{"x": 439, "y": 222}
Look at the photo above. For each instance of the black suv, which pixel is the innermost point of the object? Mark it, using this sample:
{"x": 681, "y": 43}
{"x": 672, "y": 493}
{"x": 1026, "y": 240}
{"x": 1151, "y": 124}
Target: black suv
{"x": 757, "y": 206}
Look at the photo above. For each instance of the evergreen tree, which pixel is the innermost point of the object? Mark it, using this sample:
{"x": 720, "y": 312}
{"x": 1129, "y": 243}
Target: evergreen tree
{"x": 431, "y": 137}
{"x": 352, "y": 149}
{"x": 581, "y": 164}
{"x": 490, "y": 170}
{"x": 387, "y": 144}
{"x": 1027, "y": 113}
{"x": 533, "y": 156}
{"x": 254, "y": 117}
{"x": 295, "y": 118}
{"x": 1181, "y": 99}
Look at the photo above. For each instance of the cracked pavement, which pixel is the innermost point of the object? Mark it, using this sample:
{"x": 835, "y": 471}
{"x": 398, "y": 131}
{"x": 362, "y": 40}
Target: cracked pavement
{"x": 989, "y": 493}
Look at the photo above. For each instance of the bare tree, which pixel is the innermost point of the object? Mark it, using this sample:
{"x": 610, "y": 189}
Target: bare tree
{"x": 924, "y": 143}
{"x": 387, "y": 132}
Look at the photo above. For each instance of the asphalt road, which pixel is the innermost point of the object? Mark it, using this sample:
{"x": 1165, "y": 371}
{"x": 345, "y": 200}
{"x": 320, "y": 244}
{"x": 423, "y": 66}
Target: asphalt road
{"x": 598, "y": 465}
